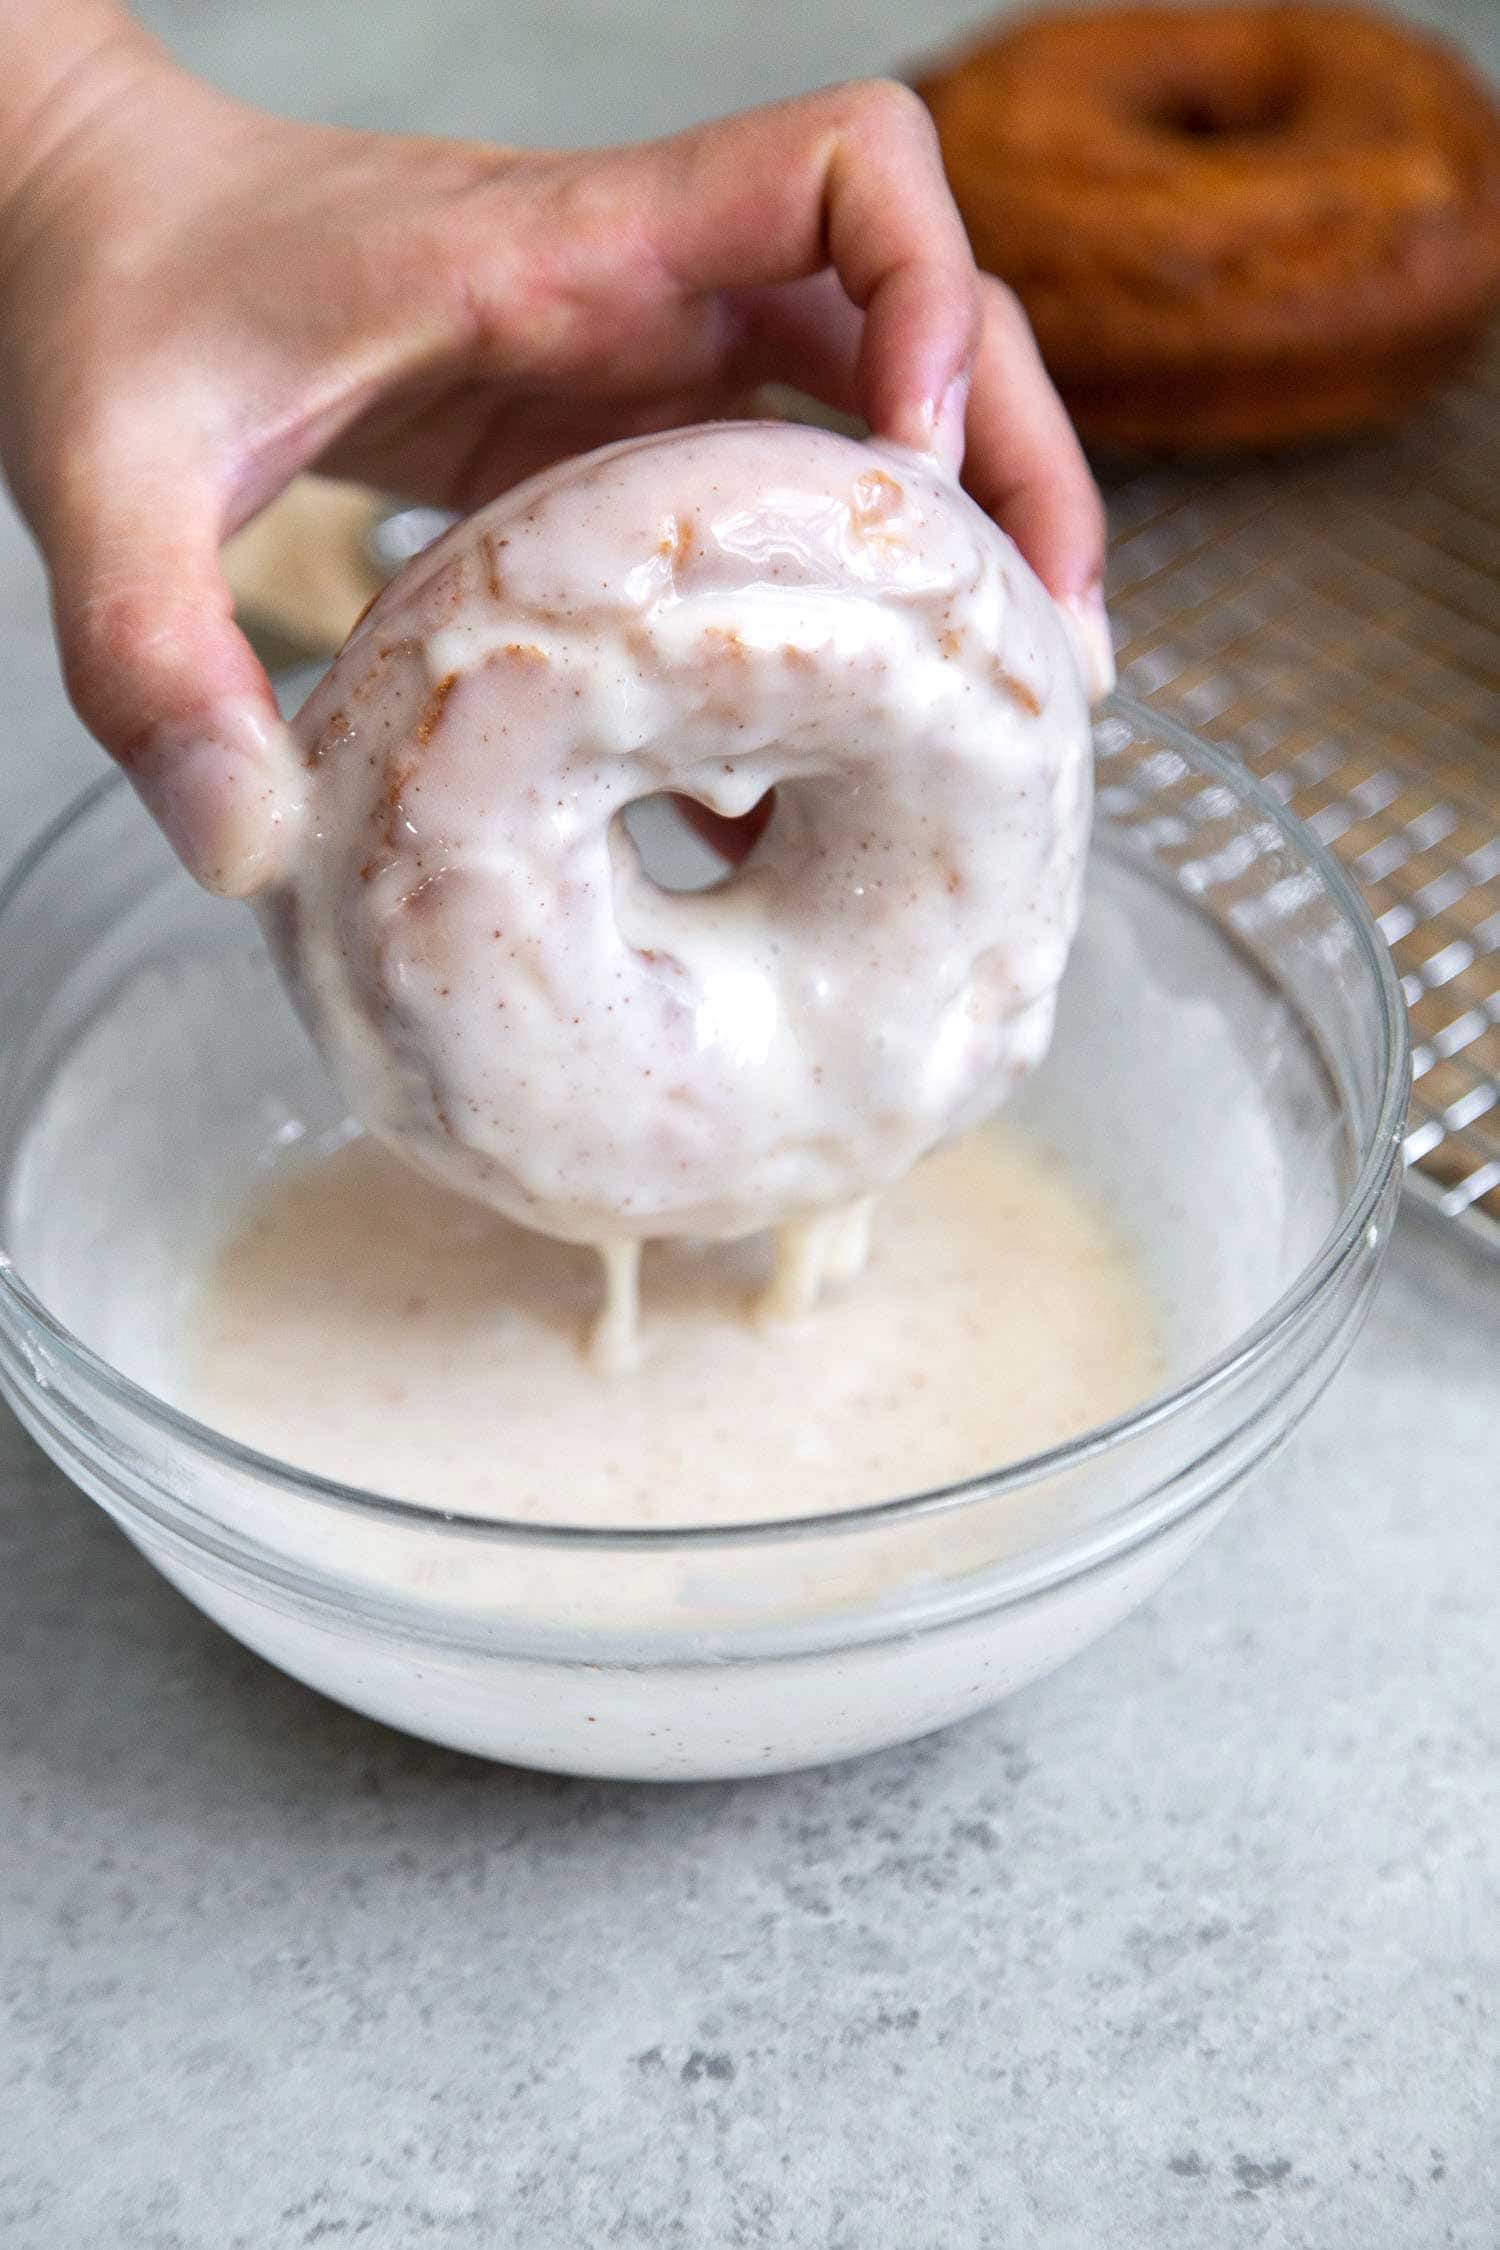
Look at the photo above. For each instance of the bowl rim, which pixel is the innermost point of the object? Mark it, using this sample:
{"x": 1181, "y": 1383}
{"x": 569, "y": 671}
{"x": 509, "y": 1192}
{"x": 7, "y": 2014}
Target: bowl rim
{"x": 20, "y": 1306}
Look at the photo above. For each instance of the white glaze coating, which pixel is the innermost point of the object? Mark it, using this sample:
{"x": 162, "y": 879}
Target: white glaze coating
{"x": 506, "y": 997}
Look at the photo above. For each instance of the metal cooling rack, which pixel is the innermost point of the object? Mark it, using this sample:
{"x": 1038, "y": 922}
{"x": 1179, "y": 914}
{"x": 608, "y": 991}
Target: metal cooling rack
{"x": 1336, "y": 622}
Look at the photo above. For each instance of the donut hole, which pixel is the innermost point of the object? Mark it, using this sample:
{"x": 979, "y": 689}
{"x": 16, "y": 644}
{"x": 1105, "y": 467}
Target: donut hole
{"x": 1250, "y": 109}
{"x": 685, "y": 846}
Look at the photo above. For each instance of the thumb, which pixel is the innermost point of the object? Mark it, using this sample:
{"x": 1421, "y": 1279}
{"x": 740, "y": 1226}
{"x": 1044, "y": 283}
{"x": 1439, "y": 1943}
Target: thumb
{"x": 161, "y": 675}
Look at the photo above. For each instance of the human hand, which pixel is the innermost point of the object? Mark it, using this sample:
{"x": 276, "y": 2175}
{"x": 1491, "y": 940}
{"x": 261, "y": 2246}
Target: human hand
{"x": 198, "y": 300}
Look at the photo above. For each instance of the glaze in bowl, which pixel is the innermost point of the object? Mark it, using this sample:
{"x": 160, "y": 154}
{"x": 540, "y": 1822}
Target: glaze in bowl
{"x": 1229, "y": 1073}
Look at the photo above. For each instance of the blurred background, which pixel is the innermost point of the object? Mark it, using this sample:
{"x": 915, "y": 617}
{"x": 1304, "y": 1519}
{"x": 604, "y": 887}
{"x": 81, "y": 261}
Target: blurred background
{"x": 575, "y": 72}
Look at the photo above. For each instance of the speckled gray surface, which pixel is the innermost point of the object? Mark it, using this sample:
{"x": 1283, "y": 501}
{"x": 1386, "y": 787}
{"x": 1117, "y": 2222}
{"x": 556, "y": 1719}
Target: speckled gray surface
{"x": 1196, "y": 1944}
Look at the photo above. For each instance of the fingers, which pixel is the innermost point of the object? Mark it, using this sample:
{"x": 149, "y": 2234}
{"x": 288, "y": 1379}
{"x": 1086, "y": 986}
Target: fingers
{"x": 158, "y": 671}
{"x": 814, "y": 242}
{"x": 1024, "y": 463}
{"x": 852, "y": 182}
{"x": 850, "y": 179}
{"x": 1087, "y": 621}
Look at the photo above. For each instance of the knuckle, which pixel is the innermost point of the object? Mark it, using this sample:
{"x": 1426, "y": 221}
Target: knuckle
{"x": 520, "y": 287}
{"x": 463, "y": 271}
{"x": 1003, "y": 309}
{"x": 584, "y": 200}
{"x": 123, "y": 650}
{"x": 885, "y": 109}
{"x": 106, "y": 641}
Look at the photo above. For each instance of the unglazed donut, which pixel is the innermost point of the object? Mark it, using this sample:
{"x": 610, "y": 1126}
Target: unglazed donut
{"x": 509, "y": 1000}
{"x": 1236, "y": 226}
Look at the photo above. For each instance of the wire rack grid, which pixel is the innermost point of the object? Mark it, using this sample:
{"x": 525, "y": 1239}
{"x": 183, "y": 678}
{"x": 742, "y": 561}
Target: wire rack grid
{"x": 1336, "y": 621}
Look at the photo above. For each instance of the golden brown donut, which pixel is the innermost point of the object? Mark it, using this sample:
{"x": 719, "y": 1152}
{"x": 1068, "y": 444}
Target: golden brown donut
{"x": 1231, "y": 226}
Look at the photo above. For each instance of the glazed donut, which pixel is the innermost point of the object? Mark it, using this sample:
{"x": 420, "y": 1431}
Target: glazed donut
{"x": 1231, "y": 227}
{"x": 508, "y": 999}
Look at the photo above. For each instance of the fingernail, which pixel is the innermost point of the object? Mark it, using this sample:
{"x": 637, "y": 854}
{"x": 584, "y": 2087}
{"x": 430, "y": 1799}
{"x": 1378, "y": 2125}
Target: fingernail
{"x": 227, "y": 797}
{"x": 1087, "y": 621}
{"x": 949, "y": 417}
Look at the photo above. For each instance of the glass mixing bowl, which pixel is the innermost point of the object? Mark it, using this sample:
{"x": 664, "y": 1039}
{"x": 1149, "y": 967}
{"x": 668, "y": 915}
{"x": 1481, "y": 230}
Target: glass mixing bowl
{"x": 1229, "y": 1073}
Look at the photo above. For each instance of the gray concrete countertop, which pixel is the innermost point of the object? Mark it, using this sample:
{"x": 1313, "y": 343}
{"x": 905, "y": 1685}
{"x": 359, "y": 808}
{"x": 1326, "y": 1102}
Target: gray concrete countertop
{"x": 1195, "y": 1944}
